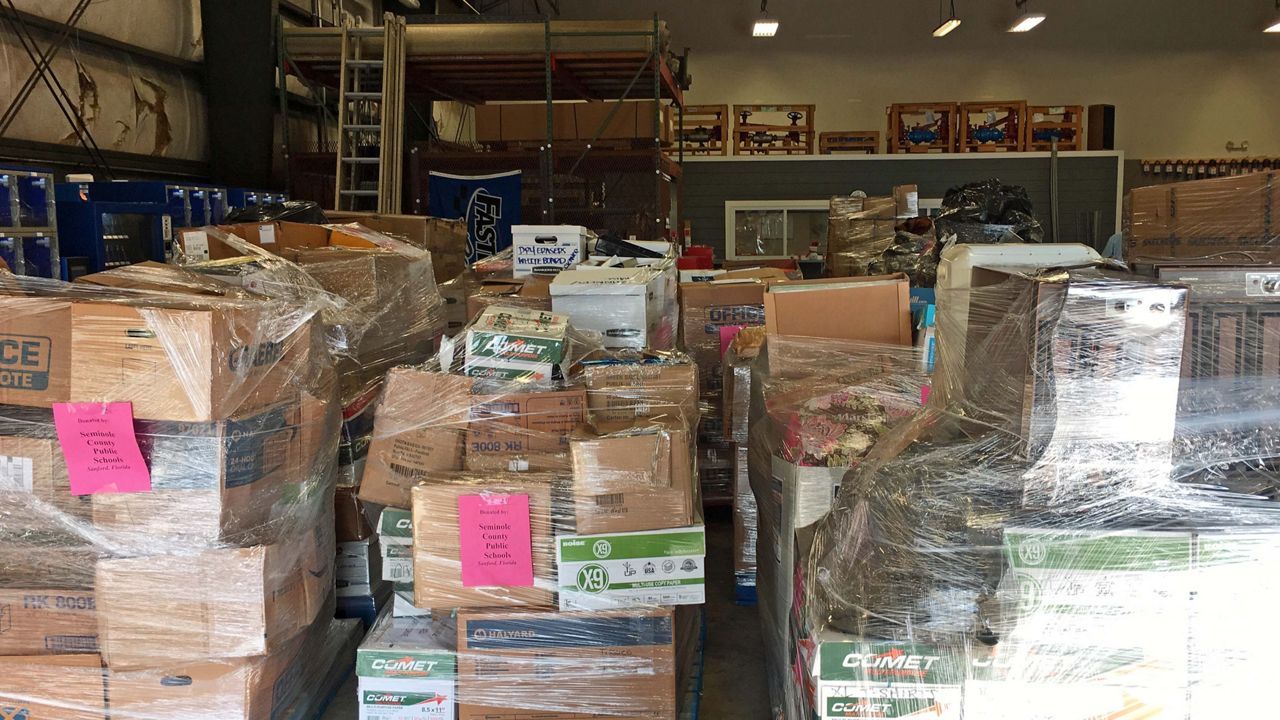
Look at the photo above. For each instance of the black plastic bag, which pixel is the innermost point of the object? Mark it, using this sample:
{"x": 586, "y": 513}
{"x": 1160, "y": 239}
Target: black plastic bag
{"x": 989, "y": 212}
{"x": 299, "y": 211}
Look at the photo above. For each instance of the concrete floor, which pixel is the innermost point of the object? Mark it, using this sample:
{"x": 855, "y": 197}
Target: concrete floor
{"x": 733, "y": 680}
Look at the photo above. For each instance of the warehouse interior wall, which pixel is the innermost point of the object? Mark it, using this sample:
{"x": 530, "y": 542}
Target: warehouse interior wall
{"x": 1186, "y": 76}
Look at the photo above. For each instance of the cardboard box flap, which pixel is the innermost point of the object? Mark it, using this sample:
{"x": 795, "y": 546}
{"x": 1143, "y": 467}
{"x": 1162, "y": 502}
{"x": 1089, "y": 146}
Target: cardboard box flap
{"x": 872, "y": 309}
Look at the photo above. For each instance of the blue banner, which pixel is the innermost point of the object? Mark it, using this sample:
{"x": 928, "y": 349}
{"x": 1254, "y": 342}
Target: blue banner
{"x": 489, "y": 203}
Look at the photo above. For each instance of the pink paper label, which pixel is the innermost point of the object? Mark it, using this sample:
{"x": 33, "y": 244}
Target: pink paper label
{"x": 727, "y": 334}
{"x": 100, "y": 448}
{"x": 494, "y": 541}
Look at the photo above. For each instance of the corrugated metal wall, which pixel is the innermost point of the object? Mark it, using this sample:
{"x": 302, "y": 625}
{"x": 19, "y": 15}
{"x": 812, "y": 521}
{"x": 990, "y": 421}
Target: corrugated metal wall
{"x": 1087, "y": 185}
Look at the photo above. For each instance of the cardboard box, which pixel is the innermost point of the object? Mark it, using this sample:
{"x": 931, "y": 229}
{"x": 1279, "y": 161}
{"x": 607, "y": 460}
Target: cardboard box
{"x": 566, "y": 666}
{"x": 547, "y": 248}
{"x": 860, "y": 229}
{"x": 524, "y": 122}
{"x": 621, "y": 395}
{"x": 35, "y": 351}
{"x": 406, "y": 668}
{"x": 637, "y": 569}
{"x": 52, "y": 687}
{"x": 198, "y": 245}
{"x": 532, "y": 292}
{"x": 437, "y": 566}
{"x": 44, "y": 621}
{"x": 159, "y": 277}
{"x": 488, "y": 120}
{"x": 623, "y": 304}
{"x": 34, "y": 465}
{"x": 197, "y": 363}
{"x": 446, "y": 240}
{"x": 1216, "y": 220}
{"x": 211, "y": 482}
{"x": 223, "y": 603}
{"x": 632, "y": 481}
{"x": 705, "y": 307}
{"x": 358, "y": 567}
{"x": 854, "y": 678}
{"x": 907, "y": 200}
{"x": 418, "y": 430}
{"x": 523, "y": 431}
{"x": 879, "y": 309}
{"x": 631, "y": 120}
{"x": 350, "y": 522}
{"x": 510, "y": 343}
{"x": 256, "y": 688}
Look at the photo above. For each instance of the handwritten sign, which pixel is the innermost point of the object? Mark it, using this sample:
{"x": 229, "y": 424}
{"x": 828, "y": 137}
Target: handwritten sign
{"x": 100, "y": 448}
{"x": 494, "y": 541}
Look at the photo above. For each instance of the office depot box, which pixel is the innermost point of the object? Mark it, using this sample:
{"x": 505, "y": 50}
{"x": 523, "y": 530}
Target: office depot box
{"x": 35, "y": 351}
{"x": 223, "y": 603}
{"x": 52, "y": 687}
{"x": 418, "y": 429}
{"x": 623, "y": 304}
{"x": 568, "y": 666}
{"x": 705, "y": 307}
{"x": 637, "y": 569}
{"x": 523, "y": 431}
{"x": 437, "y": 540}
{"x": 406, "y": 668}
{"x": 874, "y": 309}
{"x": 46, "y": 621}
{"x": 512, "y": 343}
{"x": 547, "y": 248}
{"x": 196, "y": 364}
{"x": 623, "y": 394}
{"x": 632, "y": 481}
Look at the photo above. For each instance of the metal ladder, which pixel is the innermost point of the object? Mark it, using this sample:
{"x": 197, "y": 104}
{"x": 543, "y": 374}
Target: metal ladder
{"x": 371, "y": 117}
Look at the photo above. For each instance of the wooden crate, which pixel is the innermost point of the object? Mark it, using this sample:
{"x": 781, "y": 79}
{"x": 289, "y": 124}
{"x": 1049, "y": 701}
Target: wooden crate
{"x": 773, "y": 130}
{"x": 706, "y": 130}
{"x": 993, "y": 126}
{"x": 922, "y": 127}
{"x": 1066, "y": 122}
{"x": 849, "y": 141}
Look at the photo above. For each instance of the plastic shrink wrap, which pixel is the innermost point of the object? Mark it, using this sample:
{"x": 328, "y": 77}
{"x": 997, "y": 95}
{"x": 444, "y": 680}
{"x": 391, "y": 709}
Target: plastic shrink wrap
{"x": 379, "y": 303}
{"x": 817, "y": 407}
{"x": 1225, "y": 220}
{"x": 542, "y": 489}
{"x": 167, "y": 466}
{"x": 866, "y": 236}
{"x": 737, "y": 404}
{"x": 1050, "y": 537}
{"x": 988, "y": 212}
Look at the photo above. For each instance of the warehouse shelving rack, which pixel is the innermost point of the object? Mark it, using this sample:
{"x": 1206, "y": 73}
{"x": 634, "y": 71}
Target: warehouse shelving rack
{"x": 573, "y": 181}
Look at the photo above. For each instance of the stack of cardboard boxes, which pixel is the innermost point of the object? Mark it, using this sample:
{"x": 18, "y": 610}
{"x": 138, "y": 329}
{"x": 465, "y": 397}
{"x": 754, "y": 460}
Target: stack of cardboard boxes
{"x": 167, "y": 492}
{"x": 552, "y": 515}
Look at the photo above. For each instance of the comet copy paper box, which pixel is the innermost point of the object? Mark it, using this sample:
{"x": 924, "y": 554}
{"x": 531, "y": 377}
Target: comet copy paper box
{"x": 512, "y": 343}
{"x": 407, "y": 669}
{"x": 656, "y": 567}
{"x": 859, "y": 680}
{"x": 418, "y": 430}
{"x": 35, "y": 351}
{"x": 43, "y": 621}
{"x": 52, "y": 687}
{"x": 437, "y": 561}
{"x": 567, "y": 666}
{"x": 523, "y": 431}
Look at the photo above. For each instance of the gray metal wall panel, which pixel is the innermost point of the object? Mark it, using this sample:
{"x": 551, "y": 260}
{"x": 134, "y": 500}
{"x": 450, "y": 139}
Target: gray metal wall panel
{"x": 1087, "y": 185}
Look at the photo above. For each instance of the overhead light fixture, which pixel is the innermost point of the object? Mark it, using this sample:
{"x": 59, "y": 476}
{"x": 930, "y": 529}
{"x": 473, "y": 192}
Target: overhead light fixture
{"x": 765, "y": 26}
{"x": 951, "y": 23}
{"x": 1026, "y": 21}
{"x": 1275, "y": 26}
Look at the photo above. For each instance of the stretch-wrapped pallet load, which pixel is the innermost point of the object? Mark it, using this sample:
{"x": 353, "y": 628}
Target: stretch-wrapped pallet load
{"x": 1026, "y": 545}
{"x": 543, "y": 489}
{"x": 738, "y": 358}
{"x": 1225, "y": 220}
{"x": 166, "y": 502}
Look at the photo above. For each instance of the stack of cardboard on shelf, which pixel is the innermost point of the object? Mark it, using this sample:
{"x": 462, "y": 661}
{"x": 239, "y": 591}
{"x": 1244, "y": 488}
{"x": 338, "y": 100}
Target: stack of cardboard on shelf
{"x": 167, "y": 500}
{"x": 551, "y": 520}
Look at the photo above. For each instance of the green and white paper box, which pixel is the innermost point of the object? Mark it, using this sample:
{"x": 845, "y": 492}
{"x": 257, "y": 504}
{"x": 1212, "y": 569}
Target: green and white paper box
{"x": 858, "y": 679}
{"x": 406, "y": 671}
{"x": 395, "y": 536}
{"x": 512, "y": 343}
{"x": 651, "y": 567}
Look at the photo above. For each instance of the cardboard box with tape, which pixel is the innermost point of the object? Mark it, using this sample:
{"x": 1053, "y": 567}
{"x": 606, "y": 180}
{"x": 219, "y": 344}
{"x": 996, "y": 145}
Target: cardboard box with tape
{"x": 519, "y": 431}
{"x": 43, "y": 621}
{"x": 633, "y": 480}
{"x": 732, "y": 299}
{"x": 623, "y": 392}
{"x": 52, "y": 687}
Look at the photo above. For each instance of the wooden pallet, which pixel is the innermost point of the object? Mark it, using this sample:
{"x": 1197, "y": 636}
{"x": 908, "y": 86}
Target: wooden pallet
{"x": 1066, "y": 122}
{"x": 849, "y": 141}
{"x": 792, "y": 131}
{"x": 706, "y": 130}
{"x": 993, "y": 126}
{"x": 922, "y": 127}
